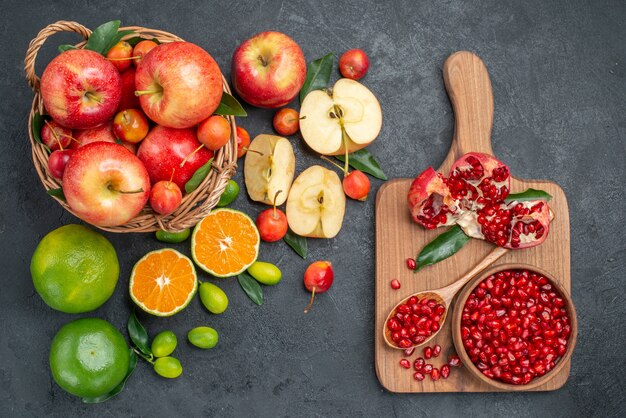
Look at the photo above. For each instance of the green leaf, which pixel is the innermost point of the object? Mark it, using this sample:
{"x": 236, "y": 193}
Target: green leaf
{"x": 198, "y": 177}
{"x": 317, "y": 75}
{"x": 58, "y": 193}
{"x": 117, "y": 389}
{"x": 38, "y": 121}
{"x": 66, "y": 47}
{"x": 442, "y": 247}
{"x": 106, "y": 36}
{"x": 230, "y": 106}
{"x": 364, "y": 160}
{"x": 136, "y": 39}
{"x": 251, "y": 287}
{"x": 528, "y": 194}
{"x": 298, "y": 243}
{"x": 138, "y": 335}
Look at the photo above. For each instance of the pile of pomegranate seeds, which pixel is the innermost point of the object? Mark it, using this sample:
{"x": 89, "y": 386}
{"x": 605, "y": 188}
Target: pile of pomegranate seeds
{"x": 515, "y": 326}
{"x": 414, "y": 321}
{"x": 422, "y": 368}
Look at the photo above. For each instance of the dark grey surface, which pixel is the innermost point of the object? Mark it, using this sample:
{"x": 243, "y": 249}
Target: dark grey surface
{"x": 557, "y": 69}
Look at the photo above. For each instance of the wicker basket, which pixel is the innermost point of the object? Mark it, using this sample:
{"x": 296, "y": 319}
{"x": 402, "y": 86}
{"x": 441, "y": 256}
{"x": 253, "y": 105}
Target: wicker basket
{"x": 195, "y": 205}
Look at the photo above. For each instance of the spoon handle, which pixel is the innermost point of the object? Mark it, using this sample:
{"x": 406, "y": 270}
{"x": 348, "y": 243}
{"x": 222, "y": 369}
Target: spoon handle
{"x": 447, "y": 293}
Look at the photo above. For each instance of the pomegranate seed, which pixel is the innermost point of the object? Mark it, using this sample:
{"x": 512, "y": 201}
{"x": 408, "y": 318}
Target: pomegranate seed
{"x": 395, "y": 284}
{"x": 404, "y": 363}
{"x": 436, "y": 350}
{"x": 409, "y": 351}
{"x": 427, "y": 368}
{"x": 418, "y": 376}
{"x": 454, "y": 361}
{"x": 428, "y": 353}
{"x": 411, "y": 264}
{"x": 434, "y": 374}
{"x": 445, "y": 371}
{"x": 419, "y": 363}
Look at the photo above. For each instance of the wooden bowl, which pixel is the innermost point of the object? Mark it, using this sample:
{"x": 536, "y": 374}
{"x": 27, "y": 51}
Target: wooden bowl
{"x": 458, "y": 341}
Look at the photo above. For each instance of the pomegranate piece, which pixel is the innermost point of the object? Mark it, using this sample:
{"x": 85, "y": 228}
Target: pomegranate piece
{"x": 428, "y": 353}
{"x": 409, "y": 352}
{"x": 411, "y": 264}
{"x": 419, "y": 363}
{"x": 395, "y": 284}
{"x": 514, "y": 327}
{"x": 405, "y": 364}
{"x": 435, "y": 374}
{"x": 473, "y": 196}
{"x": 436, "y": 350}
{"x": 418, "y": 376}
{"x": 454, "y": 361}
{"x": 445, "y": 371}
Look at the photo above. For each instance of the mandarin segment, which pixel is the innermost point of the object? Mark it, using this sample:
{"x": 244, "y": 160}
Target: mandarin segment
{"x": 163, "y": 282}
{"x": 225, "y": 243}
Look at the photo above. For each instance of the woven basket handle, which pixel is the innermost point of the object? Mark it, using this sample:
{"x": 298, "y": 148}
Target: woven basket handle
{"x": 38, "y": 41}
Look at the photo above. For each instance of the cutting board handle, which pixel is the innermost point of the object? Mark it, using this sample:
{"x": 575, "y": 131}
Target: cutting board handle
{"x": 469, "y": 88}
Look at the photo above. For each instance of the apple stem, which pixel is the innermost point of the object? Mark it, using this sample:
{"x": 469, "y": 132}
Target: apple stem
{"x": 140, "y": 190}
{"x": 142, "y": 92}
{"x": 308, "y": 308}
{"x": 344, "y": 136}
{"x": 325, "y": 158}
{"x": 276, "y": 197}
{"x": 253, "y": 150}
{"x": 94, "y": 97}
{"x": 189, "y": 156}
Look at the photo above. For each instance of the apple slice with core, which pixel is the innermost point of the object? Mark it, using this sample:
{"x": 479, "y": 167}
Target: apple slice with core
{"x": 269, "y": 167}
{"x": 316, "y": 203}
{"x": 345, "y": 120}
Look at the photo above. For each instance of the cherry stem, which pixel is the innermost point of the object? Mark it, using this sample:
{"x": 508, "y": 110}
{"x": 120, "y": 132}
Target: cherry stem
{"x": 308, "y": 308}
{"x": 56, "y": 136}
{"x": 171, "y": 177}
{"x": 190, "y": 155}
{"x": 325, "y": 158}
{"x": 123, "y": 59}
{"x": 276, "y": 197}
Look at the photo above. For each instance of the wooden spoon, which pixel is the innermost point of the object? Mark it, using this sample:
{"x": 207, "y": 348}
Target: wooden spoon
{"x": 444, "y": 296}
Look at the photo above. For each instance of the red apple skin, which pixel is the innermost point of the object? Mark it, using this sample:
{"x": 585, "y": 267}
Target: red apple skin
{"x": 102, "y": 133}
{"x": 94, "y": 178}
{"x": 354, "y": 64}
{"x": 128, "y": 100}
{"x": 80, "y": 89}
{"x": 165, "y": 197}
{"x": 189, "y": 80}
{"x": 164, "y": 149}
{"x": 268, "y": 70}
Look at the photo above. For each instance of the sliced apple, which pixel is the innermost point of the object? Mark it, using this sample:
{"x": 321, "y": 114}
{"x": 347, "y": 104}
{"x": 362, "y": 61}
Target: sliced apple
{"x": 316, "y": 203}
{"x": 269, "y": 167}
{"x": 349, "y": 116}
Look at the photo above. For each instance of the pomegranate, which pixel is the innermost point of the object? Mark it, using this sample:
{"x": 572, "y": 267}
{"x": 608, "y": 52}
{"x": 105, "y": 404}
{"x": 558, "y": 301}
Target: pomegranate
{"x": 473, "y": 196}
{"x": 515, "y": 326}
{"x": 414, "y": 321}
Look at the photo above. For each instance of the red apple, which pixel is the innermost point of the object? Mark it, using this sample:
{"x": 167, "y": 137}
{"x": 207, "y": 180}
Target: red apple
{"x": 55, "y": 136}
{"x": 80, "y": 89}
{"x": 105, "y": 185}
{"x": 179, "y": 84}
{"x": 102, "y": 133}
{"x": 268, "y": 69}
{"x": 164, "y": 150}
{"x": 165, "y": 197}
{"x": 354, "y": 64}
{"x": 129, "y": 100}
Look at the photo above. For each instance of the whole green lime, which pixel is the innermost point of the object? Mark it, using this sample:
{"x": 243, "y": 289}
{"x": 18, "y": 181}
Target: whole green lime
{"x": 74, "y": 269}
{"x": 231, "y": 191}
{"x": 89, "y": 357}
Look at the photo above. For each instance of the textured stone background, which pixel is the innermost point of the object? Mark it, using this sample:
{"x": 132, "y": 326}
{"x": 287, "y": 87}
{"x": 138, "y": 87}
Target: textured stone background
{"x": 558, "y": 76}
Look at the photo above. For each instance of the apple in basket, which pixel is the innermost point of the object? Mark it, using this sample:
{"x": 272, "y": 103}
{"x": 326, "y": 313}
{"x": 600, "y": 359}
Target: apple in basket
{"x": 80, "y": 89}
{"x": 105, "y": 185}
{"x": 179, "y": 84}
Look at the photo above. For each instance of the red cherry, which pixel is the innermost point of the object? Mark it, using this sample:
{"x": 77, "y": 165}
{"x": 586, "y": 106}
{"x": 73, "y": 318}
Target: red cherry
{"x": 318, "y": 278}
{"x": 272, "y": 223}
{"x": 55, "y": 136}
{"x": 165, "y": 197}
{"x": 356, "y": 185}
{"x": 354, "y": 64}
{"x": 57, "y": 162}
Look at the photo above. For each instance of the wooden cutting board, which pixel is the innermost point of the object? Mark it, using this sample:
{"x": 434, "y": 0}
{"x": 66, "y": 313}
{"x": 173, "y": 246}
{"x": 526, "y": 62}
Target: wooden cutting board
{"x": 398, "y": 237}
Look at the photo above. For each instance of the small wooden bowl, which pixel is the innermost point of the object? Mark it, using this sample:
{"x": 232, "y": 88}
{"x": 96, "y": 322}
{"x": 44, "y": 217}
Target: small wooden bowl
{"x": 458, "y": 341}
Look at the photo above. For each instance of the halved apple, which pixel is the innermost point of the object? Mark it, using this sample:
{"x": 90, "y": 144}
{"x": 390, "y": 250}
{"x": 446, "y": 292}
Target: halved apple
{"x": 269, "y": 167}
{"x": 316, "y": 203}
{"x": 349, "y": 116}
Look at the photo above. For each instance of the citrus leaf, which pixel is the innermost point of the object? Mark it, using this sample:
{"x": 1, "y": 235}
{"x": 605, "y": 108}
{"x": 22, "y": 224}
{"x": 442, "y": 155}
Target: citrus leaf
{"x": 198, "y": 177}
{"x": 251, "y": 287}
{"x": 442, "y": 247}
{"x": 230, "y": 106}
{"x": 66, "y": 47}
{"x": 297, "y": 243}
{"x": 117, "y": 389}
{"x": 58, "y": 193}
{"x": 317, "y": 75}
{"x": 106, "y": 36}
{"x": 528, "y": 194}
{"x": 38, "y": 121}
{"x": 138, "y": 335}
{"x": 136, "y": 39}
{"x": 364, "y": 160}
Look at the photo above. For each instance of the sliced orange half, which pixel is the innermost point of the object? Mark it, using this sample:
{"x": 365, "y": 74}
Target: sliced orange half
{"x": 225, "y": 243}
{"x": 163, "y": 282}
